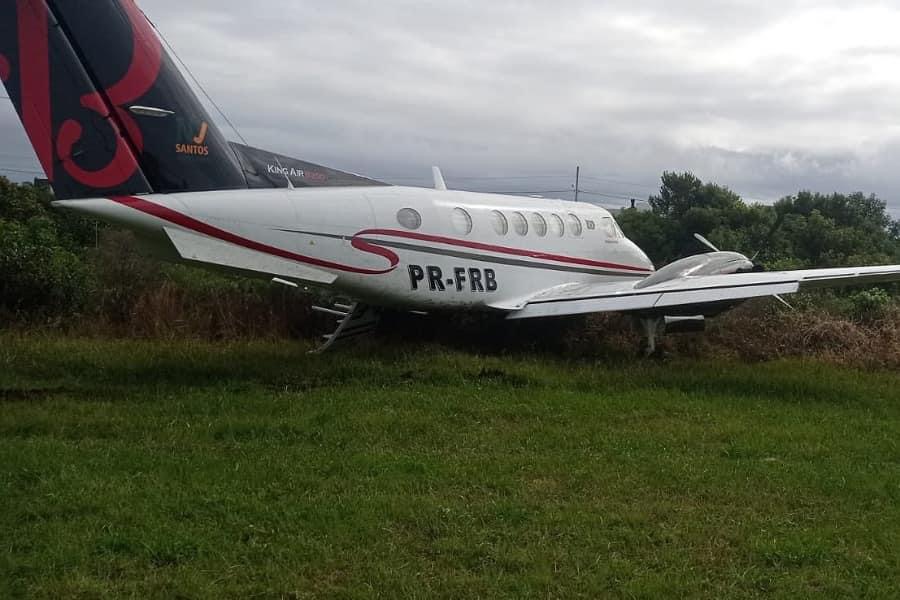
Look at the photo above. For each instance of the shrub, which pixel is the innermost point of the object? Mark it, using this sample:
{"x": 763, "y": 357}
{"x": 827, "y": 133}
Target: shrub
{"x": 38, "y": 276}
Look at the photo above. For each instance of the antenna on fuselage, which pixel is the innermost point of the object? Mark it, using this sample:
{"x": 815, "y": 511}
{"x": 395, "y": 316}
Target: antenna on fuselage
{"x": 286, "y": 176}
{"x": 439, "y": 183}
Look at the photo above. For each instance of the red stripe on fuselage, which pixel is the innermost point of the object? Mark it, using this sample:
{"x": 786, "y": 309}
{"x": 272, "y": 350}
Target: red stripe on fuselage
{"x": 172, "y": 216}
{"x": 502, "y": 249}
{"x": 369, "y": 246}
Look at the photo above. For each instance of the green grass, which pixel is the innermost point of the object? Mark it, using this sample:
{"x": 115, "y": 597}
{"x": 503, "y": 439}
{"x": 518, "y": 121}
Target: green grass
{"x": 139, "y": 469}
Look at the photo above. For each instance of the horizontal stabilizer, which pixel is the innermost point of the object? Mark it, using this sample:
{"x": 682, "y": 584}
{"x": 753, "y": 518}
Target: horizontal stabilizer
{"x": 202, "y": 249}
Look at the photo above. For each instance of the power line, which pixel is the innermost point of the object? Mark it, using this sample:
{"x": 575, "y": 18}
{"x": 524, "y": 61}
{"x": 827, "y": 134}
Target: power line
{"x": 528, "y": 193}
{"x": 546, "y": 192}
{"x": 477, "y": 178}
{"x": 606, "y": 195}
{"x": 196, "y": 81}
{"x": 26, "y": 171}
{"x": 16, "y": 156}
{"x": 620, "y": 182}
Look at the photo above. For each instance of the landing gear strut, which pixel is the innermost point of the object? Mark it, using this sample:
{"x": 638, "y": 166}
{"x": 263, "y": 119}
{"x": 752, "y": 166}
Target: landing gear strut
{"x": 651, "y": 328}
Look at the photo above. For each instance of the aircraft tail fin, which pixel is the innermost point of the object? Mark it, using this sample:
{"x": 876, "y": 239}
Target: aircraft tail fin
{"x": 105, "y": 107}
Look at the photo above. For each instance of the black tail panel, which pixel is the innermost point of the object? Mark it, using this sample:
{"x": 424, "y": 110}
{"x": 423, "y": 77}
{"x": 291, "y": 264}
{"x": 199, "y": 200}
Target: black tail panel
{"x": 76, "y": 70}
{"x": 265, "y": 169}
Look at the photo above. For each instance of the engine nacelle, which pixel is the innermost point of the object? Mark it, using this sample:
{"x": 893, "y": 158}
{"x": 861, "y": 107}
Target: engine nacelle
{"x": 712, "y": 263}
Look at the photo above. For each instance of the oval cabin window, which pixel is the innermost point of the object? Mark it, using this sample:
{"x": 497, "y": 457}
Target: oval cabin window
{"x": 520, "y": 225}
{"x": 409, "y": 218}
{"x": 462, "y": 221}
{"x": 499, "y": 223}
{"x": 575, "y": 225}
{"x": 538, "y": 224}
{"x": 557, "y": 227}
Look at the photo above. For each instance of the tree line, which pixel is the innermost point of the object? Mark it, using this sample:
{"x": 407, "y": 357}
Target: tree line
{"x": 61, "y": 269}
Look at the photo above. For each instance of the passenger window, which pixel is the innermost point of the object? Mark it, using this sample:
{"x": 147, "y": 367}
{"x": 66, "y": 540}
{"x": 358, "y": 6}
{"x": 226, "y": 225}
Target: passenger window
{"x": 609, "y": 228}
{"x": 575, "y": 225}
{"x": 557, "y": 227}
{"x": 499, "y": 222}
{"x": 409, "y": 218}
{"x": 462, "y": 221}
{"x": 539, "y": 224}
{"x": 520, "y": 225}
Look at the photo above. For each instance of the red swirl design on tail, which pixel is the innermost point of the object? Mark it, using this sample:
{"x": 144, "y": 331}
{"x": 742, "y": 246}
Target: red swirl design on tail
{"x": 146, "y": 64}
{"x": 34, "y": 58}
{"x": 120, "y": 168}
{"x": 4, "y": 68}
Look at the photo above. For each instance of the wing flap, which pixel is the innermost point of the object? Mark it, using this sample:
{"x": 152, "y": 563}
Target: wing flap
{"x": 825, "y": 278}
{"x": 724, "y": 294}
{"x": 206, "y": 250}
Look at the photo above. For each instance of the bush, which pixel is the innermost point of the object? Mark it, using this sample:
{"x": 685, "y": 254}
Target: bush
{"x": 869, "y": 306}
{"x": 38, "y": 276}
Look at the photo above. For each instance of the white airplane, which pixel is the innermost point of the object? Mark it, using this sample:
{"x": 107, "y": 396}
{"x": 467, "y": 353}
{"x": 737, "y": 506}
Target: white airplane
{"x": 122, "y": 138}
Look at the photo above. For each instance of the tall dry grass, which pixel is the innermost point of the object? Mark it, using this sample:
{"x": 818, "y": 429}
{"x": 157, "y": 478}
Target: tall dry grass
{"x": 172, "y": 311}
{"x": 134, "y": 296}
{"x": 760, "y": 331}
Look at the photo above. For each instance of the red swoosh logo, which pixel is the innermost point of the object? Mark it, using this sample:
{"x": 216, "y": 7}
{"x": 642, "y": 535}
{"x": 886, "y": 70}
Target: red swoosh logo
{"x": 173, "y": 216}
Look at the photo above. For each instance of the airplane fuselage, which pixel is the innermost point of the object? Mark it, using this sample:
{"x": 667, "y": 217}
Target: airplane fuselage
{"x": 404, "y": 247}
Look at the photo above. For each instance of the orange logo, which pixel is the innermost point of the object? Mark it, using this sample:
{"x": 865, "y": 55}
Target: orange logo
{"x": 197, "y": 148}
{"x": 201, "y": 136}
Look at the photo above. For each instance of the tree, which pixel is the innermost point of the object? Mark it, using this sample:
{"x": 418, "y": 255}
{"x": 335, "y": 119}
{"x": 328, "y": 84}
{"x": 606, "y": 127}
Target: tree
{"x": 833, "y": 230}
{"x": 42, "y": 270}
{"x": 685, "y": 206}
{"x": 806, "y": 230}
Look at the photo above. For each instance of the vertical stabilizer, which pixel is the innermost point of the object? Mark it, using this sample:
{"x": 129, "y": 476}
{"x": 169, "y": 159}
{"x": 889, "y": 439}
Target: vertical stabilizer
{"x": 104, "y": 105}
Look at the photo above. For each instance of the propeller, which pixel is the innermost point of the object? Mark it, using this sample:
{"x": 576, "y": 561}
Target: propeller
{"x": 706, "y": 242}
{"x": 709, "y": 244}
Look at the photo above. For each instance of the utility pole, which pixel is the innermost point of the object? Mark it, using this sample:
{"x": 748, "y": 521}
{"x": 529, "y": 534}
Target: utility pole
{"x": 577, "y": 181}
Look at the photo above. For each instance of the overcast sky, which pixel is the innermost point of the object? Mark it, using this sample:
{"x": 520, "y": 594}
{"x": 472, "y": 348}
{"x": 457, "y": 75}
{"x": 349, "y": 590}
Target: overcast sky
{"x": 766, "y": 98}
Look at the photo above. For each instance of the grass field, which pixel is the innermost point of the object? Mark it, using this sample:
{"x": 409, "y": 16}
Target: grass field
{"x": 194, "y": 470}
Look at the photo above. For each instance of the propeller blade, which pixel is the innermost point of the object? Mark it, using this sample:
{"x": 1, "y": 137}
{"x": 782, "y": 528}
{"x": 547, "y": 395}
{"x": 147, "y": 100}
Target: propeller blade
{"x": 783, "y": 301}
{"x": 705, "y": 242}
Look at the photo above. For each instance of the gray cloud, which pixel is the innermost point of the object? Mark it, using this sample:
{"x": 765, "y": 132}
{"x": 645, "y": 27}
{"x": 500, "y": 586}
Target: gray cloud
{"x": 765, "y": 99}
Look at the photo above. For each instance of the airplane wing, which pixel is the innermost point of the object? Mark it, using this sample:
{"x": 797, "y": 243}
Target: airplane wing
{"x": 684, "y": 293}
